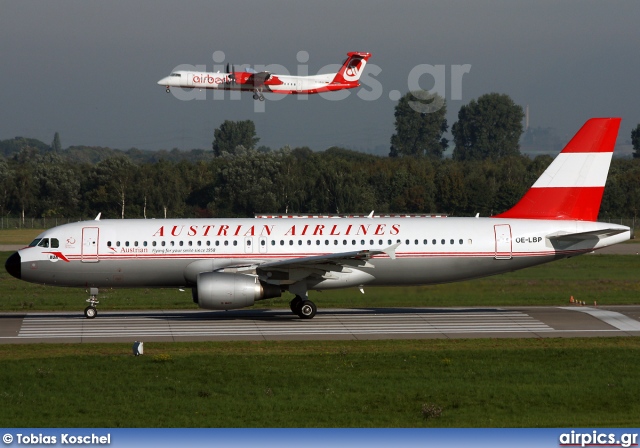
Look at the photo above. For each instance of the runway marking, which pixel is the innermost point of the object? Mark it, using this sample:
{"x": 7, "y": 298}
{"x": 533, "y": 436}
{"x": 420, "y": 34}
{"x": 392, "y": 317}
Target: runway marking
{"x": 280, "y": 323}
{"x": 617, "y": 320}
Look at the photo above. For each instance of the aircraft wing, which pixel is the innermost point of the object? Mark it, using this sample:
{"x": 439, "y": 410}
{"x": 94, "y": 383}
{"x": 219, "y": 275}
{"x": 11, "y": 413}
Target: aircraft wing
{"x": 295, "y": 269}
{"x": 259, "y": 78}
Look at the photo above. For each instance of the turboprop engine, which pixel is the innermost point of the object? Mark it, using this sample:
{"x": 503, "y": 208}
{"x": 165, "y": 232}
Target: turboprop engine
{"x": 224, "y": 291}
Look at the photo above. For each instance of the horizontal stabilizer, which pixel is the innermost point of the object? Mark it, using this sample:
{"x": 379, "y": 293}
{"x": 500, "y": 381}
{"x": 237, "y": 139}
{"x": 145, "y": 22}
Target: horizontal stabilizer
{"x": 582, "y": 236}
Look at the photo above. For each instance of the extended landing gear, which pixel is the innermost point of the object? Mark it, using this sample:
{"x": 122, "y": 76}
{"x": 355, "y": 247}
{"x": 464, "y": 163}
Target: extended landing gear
{"x": 168, "y": 91}
{"x": 91, "y": 311}
{"x": 258, "y": 96}
{"x": 305, "y": 309}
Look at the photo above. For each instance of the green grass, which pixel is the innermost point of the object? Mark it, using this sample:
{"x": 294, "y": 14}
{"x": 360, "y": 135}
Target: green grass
{"x": 607, "y": 279}
{"x": 18, "y": 236}
{"x": 477, "y": 383}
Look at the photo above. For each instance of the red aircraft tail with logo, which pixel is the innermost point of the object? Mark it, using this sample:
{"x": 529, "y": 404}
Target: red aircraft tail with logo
{"x": 571, "y": 187}
{"x": 352, "y": 68}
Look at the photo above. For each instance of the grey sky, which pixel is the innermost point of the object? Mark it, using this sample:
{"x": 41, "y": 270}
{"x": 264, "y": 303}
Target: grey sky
{"x": 88, "y": 69}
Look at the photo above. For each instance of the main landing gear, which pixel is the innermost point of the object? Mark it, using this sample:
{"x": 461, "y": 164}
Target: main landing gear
{"x": 91, "y": 311}
{"x": 258, "y": 95}
{"x": 305, "y": 309}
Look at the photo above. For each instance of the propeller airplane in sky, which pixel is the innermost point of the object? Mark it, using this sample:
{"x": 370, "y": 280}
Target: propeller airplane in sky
{"x": 258, "y": 82}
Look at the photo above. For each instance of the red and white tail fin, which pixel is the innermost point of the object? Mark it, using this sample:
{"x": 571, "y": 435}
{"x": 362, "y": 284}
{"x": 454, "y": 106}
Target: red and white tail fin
{"x": 352, "y": 68}
{"x": 571, "y": 187}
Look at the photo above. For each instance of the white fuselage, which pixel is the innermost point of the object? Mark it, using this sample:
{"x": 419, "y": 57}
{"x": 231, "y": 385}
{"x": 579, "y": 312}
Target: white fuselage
{"x": 171, "y": 252}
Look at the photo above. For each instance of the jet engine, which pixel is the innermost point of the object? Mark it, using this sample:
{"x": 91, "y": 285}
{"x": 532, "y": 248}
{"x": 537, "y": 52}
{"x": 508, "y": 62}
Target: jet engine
{"x": 224, "y": 291}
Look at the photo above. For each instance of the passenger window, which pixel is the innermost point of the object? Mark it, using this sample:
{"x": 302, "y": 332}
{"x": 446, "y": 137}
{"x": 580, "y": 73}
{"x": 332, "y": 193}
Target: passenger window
{"x": 451, "y": 242}
{"x": 118, "y": 243}
{"x": 108, "y": 243}
{"x": 433, "y": 241}
{"x": 461, "y": 241}
{"x": 126, "y": 243}
{"x": 164, "y": 243}
{"x": 181, "y": 243}
{"x": 135, "y": 243}
{"x": 226, "y": 243}
{"x": 290, "y": 242}
{"x": 407, "y": 242}
{"x": 425, "y": 242}
{"x": 153, "y": 243}
{"x": 442, "y": 241}
{"x": 235, "y": 243}
{"x": 173, "y": 243}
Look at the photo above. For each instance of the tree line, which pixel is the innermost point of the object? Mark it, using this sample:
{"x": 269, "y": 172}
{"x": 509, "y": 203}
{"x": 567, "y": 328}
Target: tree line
{"x": 486, "y": 175}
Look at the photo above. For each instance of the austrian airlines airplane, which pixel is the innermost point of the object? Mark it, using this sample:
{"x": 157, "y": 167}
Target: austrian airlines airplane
{"x": 231, "y": 263}
{"x": 259, "y": 82}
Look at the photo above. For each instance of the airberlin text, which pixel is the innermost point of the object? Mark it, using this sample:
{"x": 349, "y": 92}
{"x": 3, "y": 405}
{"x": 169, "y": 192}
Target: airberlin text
{"x": 267, "y": 230}
{"x": 63, "y": 439}
{"x": 208, "y": 79}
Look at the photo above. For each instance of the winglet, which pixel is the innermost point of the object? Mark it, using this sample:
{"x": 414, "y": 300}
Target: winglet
{"x": 391, "y": 251}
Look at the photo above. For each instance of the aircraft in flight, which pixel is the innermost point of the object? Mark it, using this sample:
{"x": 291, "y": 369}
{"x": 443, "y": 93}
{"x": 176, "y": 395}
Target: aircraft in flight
{"x": 231, "y": 263}
{"x": 259, "y": 82}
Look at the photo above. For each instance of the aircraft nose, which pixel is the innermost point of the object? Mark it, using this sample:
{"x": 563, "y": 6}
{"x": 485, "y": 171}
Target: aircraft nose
{"x": 12, "y": 265}
{"x": 163, "y": 81}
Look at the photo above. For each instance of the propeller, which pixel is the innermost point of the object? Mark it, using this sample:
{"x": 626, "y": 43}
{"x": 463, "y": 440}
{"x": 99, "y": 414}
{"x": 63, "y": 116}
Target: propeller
{"x": 232, "y": 73}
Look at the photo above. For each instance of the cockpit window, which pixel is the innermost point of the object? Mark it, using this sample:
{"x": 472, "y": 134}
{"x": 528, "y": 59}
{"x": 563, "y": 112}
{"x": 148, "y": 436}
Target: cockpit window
{"x": 176, "y": 74}
{"x": 55, "y": 243}
{"x": 44, "y": 242}
{"x": 35, "y": 242}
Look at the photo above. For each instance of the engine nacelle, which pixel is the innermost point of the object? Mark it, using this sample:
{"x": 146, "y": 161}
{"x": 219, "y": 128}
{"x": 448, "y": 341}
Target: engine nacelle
{"x": 224, "y": 291}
